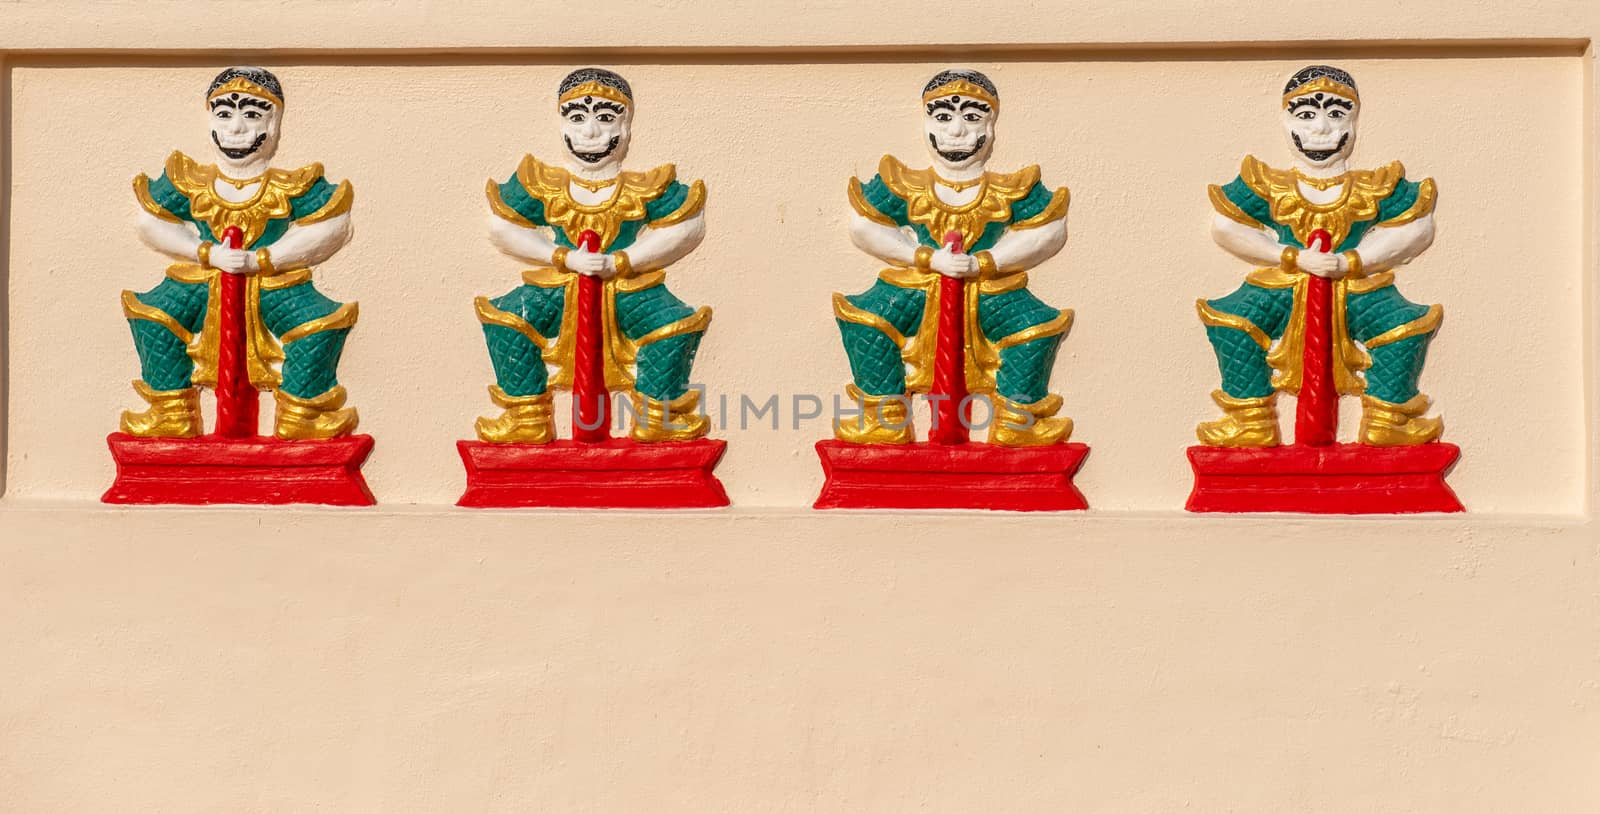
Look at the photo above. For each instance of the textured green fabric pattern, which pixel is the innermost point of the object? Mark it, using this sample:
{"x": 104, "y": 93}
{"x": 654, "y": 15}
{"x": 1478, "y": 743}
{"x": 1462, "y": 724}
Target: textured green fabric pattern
{"x": 1395, "y": 369}
{"x": 1245, "y": 373}
{"x": 164, "y": 361}
{"x": 1039, "y": 196}
{"x": 1024, "y": 373}
{"x": 877, "y": 194}
{"x": 878, "y": 369}
{"x": 310, "y": 364}
{"x": 519, "y": 366}
{"x": 516, "y": 196}
{"x": 314, "y": 198}
{"x": 667, "y": 202}
{"x": 169, "y": 198}
{"x": 875, "y": 362}
{"x": 661, "y": 369}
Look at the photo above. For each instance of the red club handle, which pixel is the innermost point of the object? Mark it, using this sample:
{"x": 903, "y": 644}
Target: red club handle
{"x": 590, "y": 423}
{"x": 949, "y": 361}
{"x": 237, "y": 405}
{"x": 1316, "y": 418}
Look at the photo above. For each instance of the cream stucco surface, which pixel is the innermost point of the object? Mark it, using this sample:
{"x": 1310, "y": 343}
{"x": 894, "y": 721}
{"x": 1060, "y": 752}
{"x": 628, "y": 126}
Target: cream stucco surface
{"x": 415, "y": 657}
{"x": 775, "y": 144}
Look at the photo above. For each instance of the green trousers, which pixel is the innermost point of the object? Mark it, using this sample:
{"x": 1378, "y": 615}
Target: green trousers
{"x": 310, "y": 365}
{"x": 662, "y": 368}
{"x": 1396, "y": 366}
{"x": 877, "y": 366}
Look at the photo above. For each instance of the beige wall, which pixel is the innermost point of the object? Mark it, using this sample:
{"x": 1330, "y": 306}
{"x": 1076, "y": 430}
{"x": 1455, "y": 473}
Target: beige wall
{"x": 419, "y": 658}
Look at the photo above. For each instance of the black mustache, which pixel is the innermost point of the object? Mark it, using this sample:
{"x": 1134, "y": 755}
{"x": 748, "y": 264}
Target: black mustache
{"x": 1320, "y": 155}
{"x": 239, "y": 152}
{"x": 593, "y": 158}
{"x": 957, "y": 156}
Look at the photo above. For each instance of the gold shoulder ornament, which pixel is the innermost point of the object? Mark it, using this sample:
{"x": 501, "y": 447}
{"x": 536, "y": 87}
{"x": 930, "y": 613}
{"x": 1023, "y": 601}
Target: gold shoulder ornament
{"x": 274, "y": 190}
{"x": 1358, "y": 198}
{"x": 996, "y": 193}
{"x": 551, "y": 186}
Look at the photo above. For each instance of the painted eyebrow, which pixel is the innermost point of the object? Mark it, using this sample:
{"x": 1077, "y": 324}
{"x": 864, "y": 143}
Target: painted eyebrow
{"x": 944, "y": 103}
{"x": 222, "y": 101}
{"x": 1334, "y": 100}
{"x": 612, "y": 106}
{"x": 975, "y": 103}
{"x": 249, "y": 102}
{"x": 1304, "y": 101}
{"x": 571, "y": 106}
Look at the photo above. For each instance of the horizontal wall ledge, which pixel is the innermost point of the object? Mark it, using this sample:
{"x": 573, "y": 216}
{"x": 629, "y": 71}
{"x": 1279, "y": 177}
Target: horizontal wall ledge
{"x": 309, "y": 24}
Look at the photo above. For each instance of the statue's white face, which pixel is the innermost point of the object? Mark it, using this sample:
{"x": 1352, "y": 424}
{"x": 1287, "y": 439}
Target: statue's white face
{"x": 960, "y": 130}
{"x": 1321, "y": 127}
{"x": 596, "y": 131}
{"x": 244, "y": 128}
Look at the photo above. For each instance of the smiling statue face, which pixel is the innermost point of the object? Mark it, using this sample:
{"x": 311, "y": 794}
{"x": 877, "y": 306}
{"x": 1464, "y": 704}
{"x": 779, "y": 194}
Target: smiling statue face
{"x": 1320, "y": 104}
{"x": 959, "y": 129}
{"x": 244, "y": 128}
{"x": 596, "y": 131}
{"x": 1321, "y": 127}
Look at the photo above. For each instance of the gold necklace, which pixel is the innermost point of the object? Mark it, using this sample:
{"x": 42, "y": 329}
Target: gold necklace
{"x": 959, "y": 186}
{"x": 242, "y": 183}
{"x": 593, "y": 186}
{"x": 1320, "y": 183}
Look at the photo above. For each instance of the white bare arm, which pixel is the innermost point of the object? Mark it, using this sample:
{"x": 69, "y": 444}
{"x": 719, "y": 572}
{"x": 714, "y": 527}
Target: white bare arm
{"x": 179, "y": 241}
{"x": 311, "y": 244}
{"x": 521, "y": 242}
{"x": 1258, "y": 246}
{"x": 1022, "y": 249}
{"x": 659, "y": 248}
{"x": 1385, "y": 247}
{"x": 886, "y": 243}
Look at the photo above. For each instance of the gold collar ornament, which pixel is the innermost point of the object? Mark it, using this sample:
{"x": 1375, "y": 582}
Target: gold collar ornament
{"x": 632, "y": 191}
{"x": 270, "y": 201}
{"x": 593, "y": 186}
{"x": 997, "y": 192}
{"x": 1358, "y": 200}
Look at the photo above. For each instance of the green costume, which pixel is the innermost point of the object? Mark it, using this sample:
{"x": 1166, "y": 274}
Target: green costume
{"x": 650, "y": 335}
{"x": 1012, "y": 336}
{"x": 173, "y": 325}
{"x": 1394, "y": 333}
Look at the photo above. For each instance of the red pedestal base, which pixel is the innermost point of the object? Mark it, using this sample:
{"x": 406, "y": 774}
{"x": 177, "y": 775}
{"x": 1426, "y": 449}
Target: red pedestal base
{"x": 962, "y": 476}
{"x": 1338, "y": 479}
{"x": 212, "y": 469}
{"x": 614, "y": 474}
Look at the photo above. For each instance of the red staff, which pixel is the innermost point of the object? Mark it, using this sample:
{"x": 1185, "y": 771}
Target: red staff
{"x": 949, "y": 361}
{"x": 1316, "y": 415}
{"x": 237, "y": 403}
{"x": 589, "y": 396}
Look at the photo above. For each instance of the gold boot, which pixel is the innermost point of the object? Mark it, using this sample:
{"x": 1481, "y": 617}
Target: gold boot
{"x": 172, "y": 413}
{"x": 1015, "y": 424}
{"x": 526, "y": 420}
{"x": 883, "y": 420}
{"x": 677, "y": 420}
{"x": 322, "y": 417}
{"x": 1244, "y": 422}
{"x": 1386, "y": 424}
